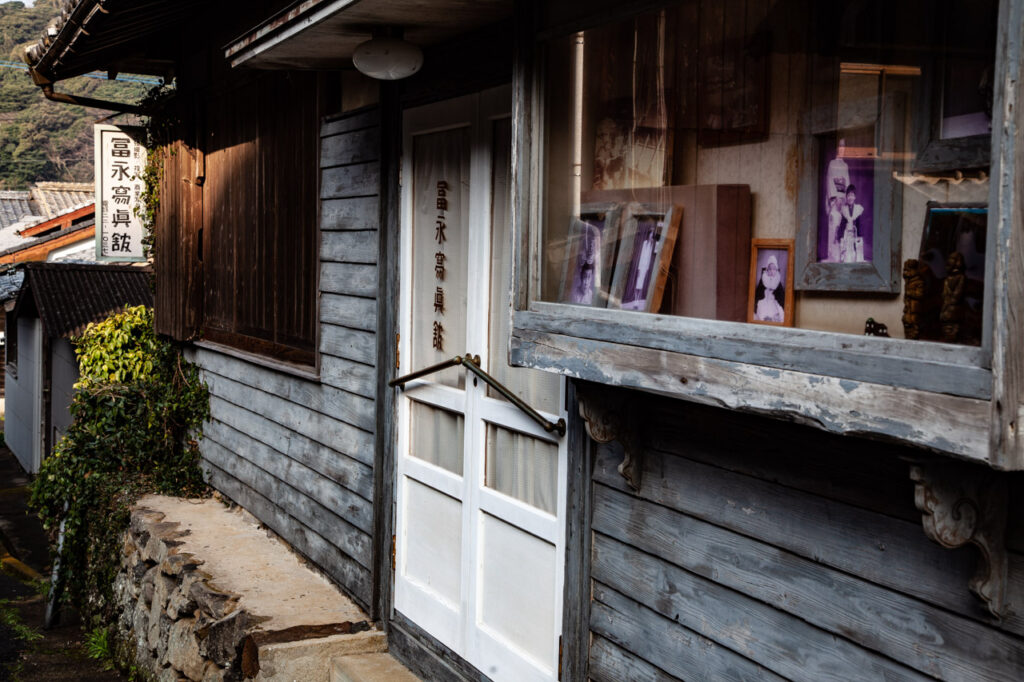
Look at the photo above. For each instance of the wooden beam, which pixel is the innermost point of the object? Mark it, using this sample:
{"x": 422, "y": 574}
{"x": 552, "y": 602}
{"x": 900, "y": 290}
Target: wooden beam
{"x": 39, "y": 251}
{"x": 1005, "y": 276}
{"x": 63, "y": 221}
{"x": 954, "y": 425}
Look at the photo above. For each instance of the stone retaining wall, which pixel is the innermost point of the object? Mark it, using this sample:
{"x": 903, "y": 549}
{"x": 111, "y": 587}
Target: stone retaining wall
{"x": 173, "y": 622}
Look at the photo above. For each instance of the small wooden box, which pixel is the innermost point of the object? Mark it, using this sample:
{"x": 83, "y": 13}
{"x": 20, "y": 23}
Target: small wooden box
{"x": 712, "y": 260}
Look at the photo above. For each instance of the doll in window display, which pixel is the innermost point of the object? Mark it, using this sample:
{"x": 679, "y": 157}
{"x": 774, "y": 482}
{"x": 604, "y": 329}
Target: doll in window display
{"x": 851, "y": 246}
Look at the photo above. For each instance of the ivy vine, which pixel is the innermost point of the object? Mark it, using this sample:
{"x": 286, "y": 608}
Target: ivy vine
{"x": 160, "y": 126}
{"x": 138, "y": 413}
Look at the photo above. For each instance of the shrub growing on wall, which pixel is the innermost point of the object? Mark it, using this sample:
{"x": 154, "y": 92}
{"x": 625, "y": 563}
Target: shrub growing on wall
{"x": 138, "y": 412}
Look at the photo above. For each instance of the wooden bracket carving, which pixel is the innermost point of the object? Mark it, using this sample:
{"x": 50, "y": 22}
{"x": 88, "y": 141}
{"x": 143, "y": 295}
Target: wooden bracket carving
{"x": 968, "y": 504}
{"x": 609, "y": 415}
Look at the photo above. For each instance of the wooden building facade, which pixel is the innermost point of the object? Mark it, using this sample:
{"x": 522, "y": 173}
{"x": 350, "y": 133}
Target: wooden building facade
{"x": 588, "y": 203}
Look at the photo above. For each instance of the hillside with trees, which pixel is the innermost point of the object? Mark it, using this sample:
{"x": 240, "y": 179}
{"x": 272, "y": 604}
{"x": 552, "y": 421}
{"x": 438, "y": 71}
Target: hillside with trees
{"x": 39, "y": 139}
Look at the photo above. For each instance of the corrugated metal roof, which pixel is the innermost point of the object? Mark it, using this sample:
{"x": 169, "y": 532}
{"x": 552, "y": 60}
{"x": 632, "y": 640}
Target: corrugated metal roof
{"x": 57, "y": 198}
{"x": 68, "y": 296}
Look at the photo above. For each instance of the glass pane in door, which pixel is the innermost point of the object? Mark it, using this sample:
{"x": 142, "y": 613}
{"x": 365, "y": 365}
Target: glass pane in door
{"x": 522, "y": 467}
{"x": 437, "y": 437}
{"x": 440, "y": 250}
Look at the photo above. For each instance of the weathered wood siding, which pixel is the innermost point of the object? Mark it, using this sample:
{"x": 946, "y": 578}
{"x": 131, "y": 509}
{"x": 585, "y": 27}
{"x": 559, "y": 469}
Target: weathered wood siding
{"x": 299, "y": 453}
{"x": 757, "y": 549}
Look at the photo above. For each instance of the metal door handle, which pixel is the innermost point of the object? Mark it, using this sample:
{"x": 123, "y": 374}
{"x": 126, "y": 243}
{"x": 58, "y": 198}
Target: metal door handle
{"x": 472, "y": 363}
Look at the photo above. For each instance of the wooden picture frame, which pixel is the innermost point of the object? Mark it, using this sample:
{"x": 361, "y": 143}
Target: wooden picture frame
{"x": 649, "y": 233}
{"x": 591, "y": 249}
{"x": 881, "y": 272}
{"x": 964, "y": 80}
{"x": 764, "y": 301}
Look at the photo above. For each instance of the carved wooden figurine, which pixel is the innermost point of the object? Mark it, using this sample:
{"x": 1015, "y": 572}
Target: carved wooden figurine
{"x": 913, "y": 297}
{"x": 953, "y": 288}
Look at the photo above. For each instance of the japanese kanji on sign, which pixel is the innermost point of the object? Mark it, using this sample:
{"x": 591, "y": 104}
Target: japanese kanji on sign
{"x": 120, "y": 162}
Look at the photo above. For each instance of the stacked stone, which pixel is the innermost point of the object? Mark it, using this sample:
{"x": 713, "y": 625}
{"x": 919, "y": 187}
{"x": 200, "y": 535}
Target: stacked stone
{"x": 174, "y": 623}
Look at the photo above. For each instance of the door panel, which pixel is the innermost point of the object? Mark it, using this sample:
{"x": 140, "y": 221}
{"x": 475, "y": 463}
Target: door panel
{"x": 480, "y": 486}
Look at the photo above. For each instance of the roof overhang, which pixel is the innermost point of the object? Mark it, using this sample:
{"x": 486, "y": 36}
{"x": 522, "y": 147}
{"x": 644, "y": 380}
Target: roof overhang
{"x": 322, "y": 34}
{"x": 129, "y": 36}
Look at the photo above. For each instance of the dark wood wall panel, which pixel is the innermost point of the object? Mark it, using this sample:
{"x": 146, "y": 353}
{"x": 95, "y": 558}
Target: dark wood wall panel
{"x": 746, "y": 554}
{"x": 297, "y": 452}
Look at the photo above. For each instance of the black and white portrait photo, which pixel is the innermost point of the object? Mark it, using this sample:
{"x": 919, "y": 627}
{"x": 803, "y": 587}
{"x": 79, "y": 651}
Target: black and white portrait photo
{"x": 771, "y": 285}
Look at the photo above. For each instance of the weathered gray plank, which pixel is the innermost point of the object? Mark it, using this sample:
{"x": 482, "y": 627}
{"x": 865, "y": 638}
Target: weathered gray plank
{"x": 350, "y": 122}
{"x": 357, "y": 180}
{"x": 924, "y": 637}
{"x": 951, "y": 424}
{"x": 327, "y": 400}
{"x": 346, "y": 278}
{"x": 884, "y": 550}
{"x": 948, "y": 369}
{"x": 788, "y": 646}
{"x": 678, "y": 650}
{"x": 349, "y": 247}
{"x": 349, "y": 575}
{"x": 360, "y": 213}
{"x": 351, "y": 344}
{"x": 354, "y": 312}
{"x": 331, "y": 524}
{"x": 275, "y": 469}
{"x": 344, "y": 470}
{"x": 609, "y": 663}
{"x": 798, "y": 457}
{"x": 327, "y": 431}
{"x": 348, "y": 375}
{"x": 354, "y": 147}
{"x": 1004, "y": 268}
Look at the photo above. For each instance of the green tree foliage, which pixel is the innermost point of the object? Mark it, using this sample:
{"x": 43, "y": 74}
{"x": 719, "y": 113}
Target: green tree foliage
{"x": 138, "y": 412}
{"x": 39, "y": 139}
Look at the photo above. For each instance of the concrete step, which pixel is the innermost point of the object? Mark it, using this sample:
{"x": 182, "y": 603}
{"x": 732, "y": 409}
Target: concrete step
{"x": 369, "y": 668}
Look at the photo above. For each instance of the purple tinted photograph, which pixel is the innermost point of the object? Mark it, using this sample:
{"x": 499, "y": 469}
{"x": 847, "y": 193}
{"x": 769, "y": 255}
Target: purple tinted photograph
{"x": 643, "y": 262}
{"x": 770, "y": 285}
{"x": 846, "y": 197}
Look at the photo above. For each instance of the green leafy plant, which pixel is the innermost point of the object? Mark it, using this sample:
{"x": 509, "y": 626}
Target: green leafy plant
{"x": 9, "y": 617}
{"x": 138, "y": 412}
{"x": 98, "y": 647}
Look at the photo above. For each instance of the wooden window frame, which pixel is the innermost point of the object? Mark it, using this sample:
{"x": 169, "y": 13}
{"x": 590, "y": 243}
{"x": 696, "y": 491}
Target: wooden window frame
{"x": 958, "y": 400}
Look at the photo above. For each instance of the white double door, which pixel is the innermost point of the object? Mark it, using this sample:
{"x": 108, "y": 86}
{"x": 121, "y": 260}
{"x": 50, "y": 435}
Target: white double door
{"x": 480, "y": 493}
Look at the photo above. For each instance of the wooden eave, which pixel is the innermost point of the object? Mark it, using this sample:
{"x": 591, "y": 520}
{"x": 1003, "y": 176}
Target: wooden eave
{"x": 322, "y": 34}
{"x": 61, "y": 222}
{"x": 40, "y": 249}
{"x": 123, "y": 35}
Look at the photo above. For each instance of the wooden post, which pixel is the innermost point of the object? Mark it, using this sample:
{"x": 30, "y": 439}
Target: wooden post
{"x": 1005, "y": 267}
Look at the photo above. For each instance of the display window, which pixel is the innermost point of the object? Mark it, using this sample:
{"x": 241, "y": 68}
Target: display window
{"x": 820, "y": 166}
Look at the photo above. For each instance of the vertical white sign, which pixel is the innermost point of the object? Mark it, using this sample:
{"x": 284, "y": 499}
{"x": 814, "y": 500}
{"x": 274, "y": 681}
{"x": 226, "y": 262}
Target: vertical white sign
{"x": 120, "y": 163}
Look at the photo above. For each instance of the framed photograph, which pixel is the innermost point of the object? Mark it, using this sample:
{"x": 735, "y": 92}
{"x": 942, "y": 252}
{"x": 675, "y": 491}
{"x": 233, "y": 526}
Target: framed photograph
{"x": 590, "y": 256}
{"x": 771, "y": 282}
{"x": 849, "y": 204}
{"x": 954, "y": 130}
{"x": 947, "y": 303}
{"x": 846, "y": 185}
{"x": 649, "y": 234}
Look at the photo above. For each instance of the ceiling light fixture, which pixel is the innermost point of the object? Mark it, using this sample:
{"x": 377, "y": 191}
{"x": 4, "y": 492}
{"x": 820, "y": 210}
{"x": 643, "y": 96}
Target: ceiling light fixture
{"x": 387, "y": 58}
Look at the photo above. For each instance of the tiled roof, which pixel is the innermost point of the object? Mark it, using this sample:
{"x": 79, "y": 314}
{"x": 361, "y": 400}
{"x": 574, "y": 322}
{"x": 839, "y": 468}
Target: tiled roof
{"x": 68, "y": 296}
{"x": 14, "y": 206}
{"x": 55, "y": 198}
